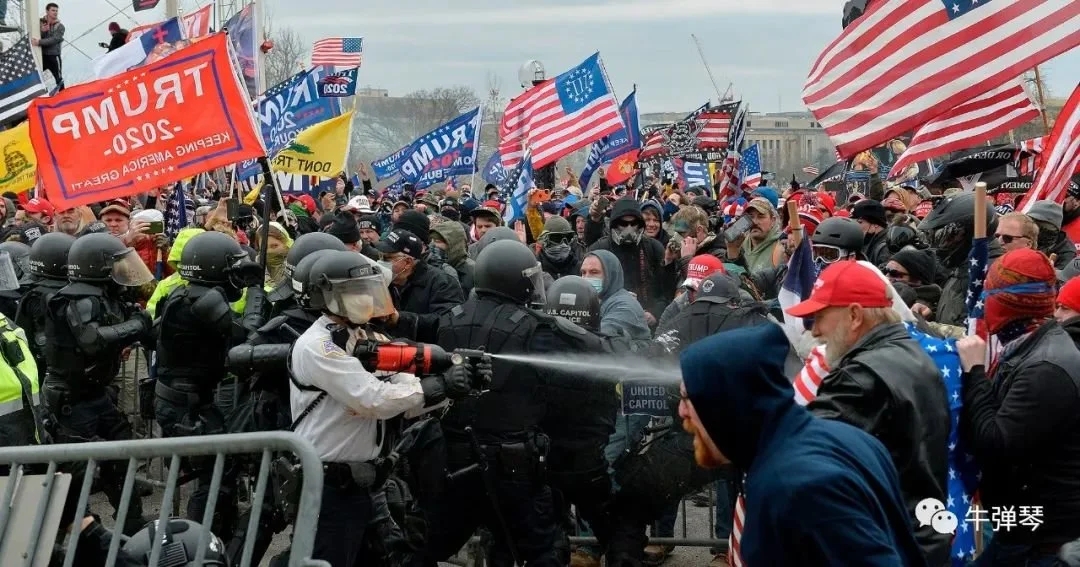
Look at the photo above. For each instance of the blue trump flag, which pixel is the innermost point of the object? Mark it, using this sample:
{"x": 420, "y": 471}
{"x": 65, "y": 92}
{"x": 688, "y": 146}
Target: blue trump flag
{"x": 494, "y": 172}
{"x": 342, "y": 83}
{"x": 387, "y": 167}
{"x": 617, "y": 144}
{"x": 444, "y": 152}
{"x": 286, "y": 109}
{"x": 517, "y": 189}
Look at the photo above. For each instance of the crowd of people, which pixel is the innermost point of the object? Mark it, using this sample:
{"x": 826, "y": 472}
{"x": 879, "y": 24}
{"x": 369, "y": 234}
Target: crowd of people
{"x": 373, "y": 324}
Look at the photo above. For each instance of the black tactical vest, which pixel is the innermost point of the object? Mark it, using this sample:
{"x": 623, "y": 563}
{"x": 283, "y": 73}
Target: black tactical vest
{"x": 66, "y": 361}
{"x": 191, "y": 354}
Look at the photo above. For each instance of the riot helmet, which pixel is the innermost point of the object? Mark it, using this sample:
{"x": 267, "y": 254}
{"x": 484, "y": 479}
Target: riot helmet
{"x": 351, "y": 286}
{"x": 179, "y": 545}
{"x": 494, "y": 235}
{"x": 834, "y": 239}
{"x": 950, "y": 227}
{"x": 49, "y": 256}
{"x": 215, "y": 259}
{"x": 20, "y": 258}
{"x": 899, "y": 236}
{"x": 574, "y": 298}
{"x": 302, "y": 247}
{"x": 301, "y": 289}
{"x": 507, "y": 268}
{"x": 100, "y": 257}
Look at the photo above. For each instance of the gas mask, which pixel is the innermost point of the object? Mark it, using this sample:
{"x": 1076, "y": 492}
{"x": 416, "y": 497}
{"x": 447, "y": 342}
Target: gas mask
{"x": 627, "y": 235}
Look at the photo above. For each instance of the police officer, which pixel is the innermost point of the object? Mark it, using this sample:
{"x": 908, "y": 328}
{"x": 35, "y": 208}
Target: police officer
{"x": 87, "y": 327}
{"x": 341, "y": 407}
{"x": 496, "y": 435}
{"x": 48, "y": 266}
{"x": 263, "y": 361}
{"x": 197, "y": 328}
{"x": 19, "y": 419}
{"x": 580, "y": 418}
{"x": 9, "y": 298}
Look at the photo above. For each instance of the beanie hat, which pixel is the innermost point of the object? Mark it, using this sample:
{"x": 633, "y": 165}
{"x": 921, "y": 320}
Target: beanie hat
{"x": 417, "y": 223}
{"x": 1048, "y": 212}
{"x": 920, "y": 264}
{"x": 342, "y": 225}
{"x": 1069, "y": 294}
{"x": 1020, "y": 288}
{"x": 870, "y": 211}
{"x": 556, "y": 225}
{"x": 907, "y": 293}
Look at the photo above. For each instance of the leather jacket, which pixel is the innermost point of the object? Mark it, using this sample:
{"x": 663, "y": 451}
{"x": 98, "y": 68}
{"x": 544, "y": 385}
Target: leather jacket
{"x": 888, "y": 387}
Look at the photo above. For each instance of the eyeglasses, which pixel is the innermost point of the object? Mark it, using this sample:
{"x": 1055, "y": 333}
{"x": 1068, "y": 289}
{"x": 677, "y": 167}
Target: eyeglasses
{"x": 897, "y": 274}
{"x": 1008, "y": 238}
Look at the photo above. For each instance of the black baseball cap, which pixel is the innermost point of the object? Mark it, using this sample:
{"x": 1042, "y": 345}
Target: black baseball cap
{"x": 401, "y": 241}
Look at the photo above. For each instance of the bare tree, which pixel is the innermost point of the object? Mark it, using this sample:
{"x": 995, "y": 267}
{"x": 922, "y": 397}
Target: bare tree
{"x": 385, "y": 124}
{"x": 286, "y": 58}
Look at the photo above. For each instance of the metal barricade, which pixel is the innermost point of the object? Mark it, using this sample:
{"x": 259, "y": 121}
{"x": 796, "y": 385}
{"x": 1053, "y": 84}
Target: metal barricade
{"x": 303, "y": 536}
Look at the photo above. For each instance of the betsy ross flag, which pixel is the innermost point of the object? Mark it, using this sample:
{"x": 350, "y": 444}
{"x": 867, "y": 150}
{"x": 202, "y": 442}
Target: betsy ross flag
{"x": 751, "y": 168}
{"x": 20, "y": 81}
{"x": 906, "y": 62}
{"x": 338, "y": 52}
{"x": 1060, "y": 158}
{"x": 969, "y": 124}
{"x": 559, "y": 116}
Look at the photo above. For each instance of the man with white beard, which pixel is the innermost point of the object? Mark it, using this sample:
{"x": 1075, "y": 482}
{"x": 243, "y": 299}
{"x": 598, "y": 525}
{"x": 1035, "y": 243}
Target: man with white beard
{"x": 882, "y": 382}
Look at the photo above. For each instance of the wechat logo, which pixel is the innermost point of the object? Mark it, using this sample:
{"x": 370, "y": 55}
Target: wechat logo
{"x": 931, "y": 512}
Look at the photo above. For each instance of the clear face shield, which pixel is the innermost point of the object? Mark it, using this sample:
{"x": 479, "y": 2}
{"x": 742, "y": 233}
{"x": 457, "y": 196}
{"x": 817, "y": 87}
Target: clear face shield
{"x": 9, "y": 279}
{"x": 535, "y": 275}
{"x": 129, "y": 270}
{"x": 359, "y": 299}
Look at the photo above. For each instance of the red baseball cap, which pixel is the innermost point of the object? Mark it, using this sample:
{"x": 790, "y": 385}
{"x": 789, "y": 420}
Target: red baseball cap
{"x": 841, "y": 284}
{"x": 39, "y": 206}
{"x": 701, "y": 267}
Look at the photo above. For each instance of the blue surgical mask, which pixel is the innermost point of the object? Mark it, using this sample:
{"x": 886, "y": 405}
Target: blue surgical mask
{"x": 597, "y": 283}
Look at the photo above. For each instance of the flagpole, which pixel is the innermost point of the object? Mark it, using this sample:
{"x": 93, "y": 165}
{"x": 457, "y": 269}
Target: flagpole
{"x": 476, "y": 148}
{"x": 1042, "y": 100}
{"x": 33, "y": 28}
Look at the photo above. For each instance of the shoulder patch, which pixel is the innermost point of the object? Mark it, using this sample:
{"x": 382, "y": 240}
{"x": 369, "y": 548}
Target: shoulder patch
{"x": 330, "y": 349}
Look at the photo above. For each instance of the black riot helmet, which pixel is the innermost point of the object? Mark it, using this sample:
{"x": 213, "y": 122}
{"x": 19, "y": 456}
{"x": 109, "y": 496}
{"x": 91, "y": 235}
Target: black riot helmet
{"x": 351, "y": 286}
{"x": 49, "y": 255}
{"x": 301, "y": 289}
{"x": 20, "y": 257}
{"x": 101, "y": 257}
{"x": 303, "y": 247}
{"x": 574, "y": 298}
{"x": 179, "y": 545}
{"x": 211, "y": 258}
{"x": 508, "y": 269}
{"x": 496, "y": 234}
{"x": 950, "y": 226}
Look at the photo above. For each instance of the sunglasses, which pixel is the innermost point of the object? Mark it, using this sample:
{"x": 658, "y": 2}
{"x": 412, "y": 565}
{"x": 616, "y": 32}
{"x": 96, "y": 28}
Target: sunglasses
{"x": 896, "y": 274}
{"x": 1008, "y": 238}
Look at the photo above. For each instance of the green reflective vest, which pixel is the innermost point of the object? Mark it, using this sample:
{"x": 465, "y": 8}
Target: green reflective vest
{"x": 19, "y": 385}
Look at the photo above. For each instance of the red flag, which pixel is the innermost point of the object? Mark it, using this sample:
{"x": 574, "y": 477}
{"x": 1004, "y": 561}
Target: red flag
{"x": 1059, "y": 159}
{"x": 906, "y": 62}
{"x": 622, "y": 168}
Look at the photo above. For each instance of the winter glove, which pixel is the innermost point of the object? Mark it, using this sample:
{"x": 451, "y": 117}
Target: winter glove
{"x": 459, "y": 380}
{"x": 434, "y": 388}
{"x": 483, "y": 373}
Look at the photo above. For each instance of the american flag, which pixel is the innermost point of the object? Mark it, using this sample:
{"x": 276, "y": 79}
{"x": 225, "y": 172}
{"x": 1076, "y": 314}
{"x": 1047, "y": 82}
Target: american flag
{"x": 708, "y": 127}
{"x": 559, "y": 116}
{"x": 517, "y": 189}
{"x": 978, "y": 261}
{"x": 811, "y": 170}
{"x": 906, "y": 62}
{"x": 1060, "y": 159}
{"x": 797, "y": 284}
{"x": 20, "y": 81}
{"x": 969, "y": 124}
{"x": 338, "y": 52}
{"x": 729, "y": 176}
{"x": 176, "y": 215}
{"x": 751, "y": 168}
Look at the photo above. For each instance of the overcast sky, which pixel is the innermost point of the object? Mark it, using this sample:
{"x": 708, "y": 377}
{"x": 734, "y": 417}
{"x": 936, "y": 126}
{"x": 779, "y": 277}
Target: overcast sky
{"x": 763, "y": 47}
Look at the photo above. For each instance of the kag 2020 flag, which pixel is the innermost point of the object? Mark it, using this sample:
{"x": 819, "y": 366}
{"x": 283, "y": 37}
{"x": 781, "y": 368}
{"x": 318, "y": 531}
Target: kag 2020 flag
{"x": 444, "y": 152}
{"x": 153, "y": 126}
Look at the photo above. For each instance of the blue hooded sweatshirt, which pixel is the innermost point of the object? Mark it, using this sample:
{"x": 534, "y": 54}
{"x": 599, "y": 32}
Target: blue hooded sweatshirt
{"x": 818, "y": 492}
{"x": 620, "y": 312}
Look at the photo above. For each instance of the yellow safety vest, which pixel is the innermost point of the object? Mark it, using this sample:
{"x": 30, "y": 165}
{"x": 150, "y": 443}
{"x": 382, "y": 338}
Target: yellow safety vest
{"x": 18, "y": 371}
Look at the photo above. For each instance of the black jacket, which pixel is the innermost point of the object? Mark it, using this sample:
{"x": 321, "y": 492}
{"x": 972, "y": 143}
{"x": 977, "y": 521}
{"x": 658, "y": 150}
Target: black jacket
{"x": 429, "y": 293}
{"x": 1024, "y": 425}
{"x": 876, "y": 249}
{"x": 887, "y": 386}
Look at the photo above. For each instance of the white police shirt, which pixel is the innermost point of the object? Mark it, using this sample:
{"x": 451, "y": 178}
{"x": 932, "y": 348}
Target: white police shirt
{"x": 347, "y": 425}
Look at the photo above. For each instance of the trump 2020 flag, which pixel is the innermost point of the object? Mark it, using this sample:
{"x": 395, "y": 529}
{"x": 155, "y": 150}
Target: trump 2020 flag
{"x": 342, "y": 83}
{"x": 611, "y": 147}
{"x": 135, "y": 53}
{"x": 444, "y": 152}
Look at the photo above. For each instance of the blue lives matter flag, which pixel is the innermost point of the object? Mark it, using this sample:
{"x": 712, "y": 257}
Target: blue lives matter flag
{"x": 963, "y": 479}
{"x": 444, "y": 152}
{"x": 342, "y": 83}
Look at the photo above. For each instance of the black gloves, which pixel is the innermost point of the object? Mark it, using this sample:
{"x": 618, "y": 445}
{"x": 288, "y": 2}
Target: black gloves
{"x": 456, "y": 383}
{"x": 458, "y": 380}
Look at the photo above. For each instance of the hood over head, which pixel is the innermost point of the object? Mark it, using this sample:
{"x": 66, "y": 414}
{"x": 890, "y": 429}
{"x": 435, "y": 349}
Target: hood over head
{"x": 181, "y": 240}
{"x": 739, "y": 397}
{"x": 453, "y": 233}
{"x": 613, "y": 272}
{"x": 626, "y": 208}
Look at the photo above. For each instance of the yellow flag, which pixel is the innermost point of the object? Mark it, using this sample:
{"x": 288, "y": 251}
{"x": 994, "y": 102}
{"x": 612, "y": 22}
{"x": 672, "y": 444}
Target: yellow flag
{"x": 20, "y": 166}
{"x": 319, "y": 150}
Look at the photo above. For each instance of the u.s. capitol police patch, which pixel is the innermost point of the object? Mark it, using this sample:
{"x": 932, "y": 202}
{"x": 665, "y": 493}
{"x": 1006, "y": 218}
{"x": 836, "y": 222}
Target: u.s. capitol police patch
{"x": 329, "y": 348}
